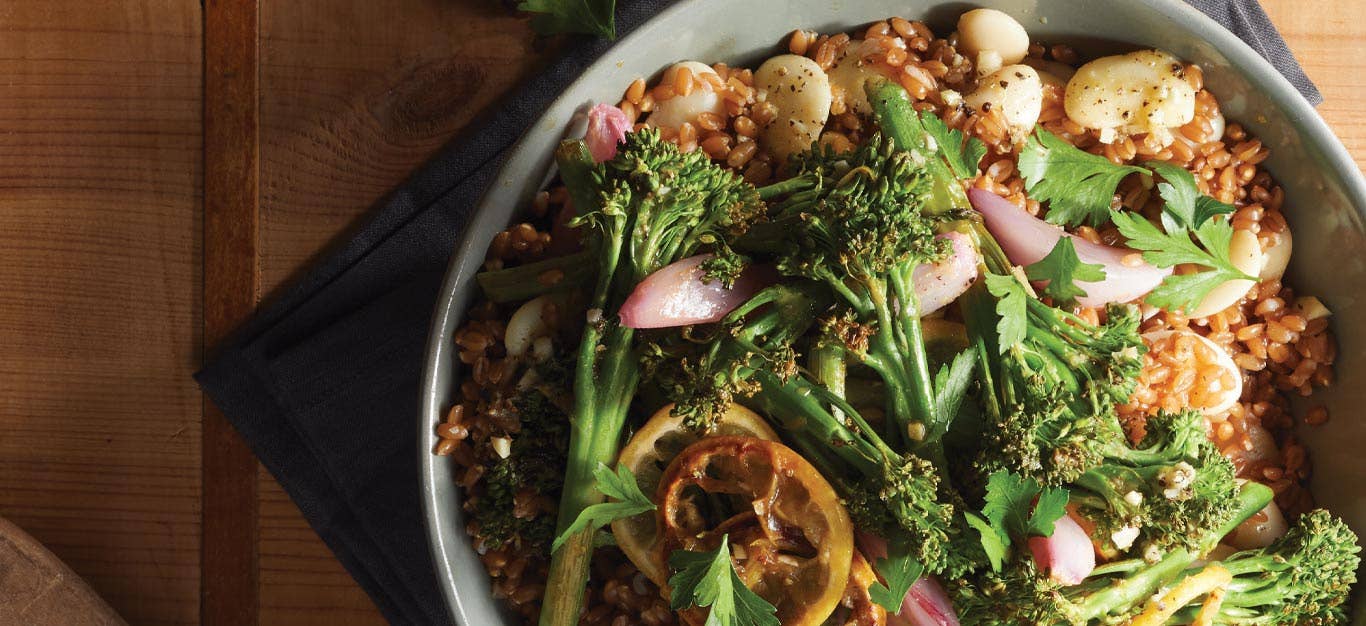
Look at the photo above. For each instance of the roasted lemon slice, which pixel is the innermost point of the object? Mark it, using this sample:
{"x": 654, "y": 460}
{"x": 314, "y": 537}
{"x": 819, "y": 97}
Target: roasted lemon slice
{"x": 790, "y": 537}
{"x": 647, "y": 454}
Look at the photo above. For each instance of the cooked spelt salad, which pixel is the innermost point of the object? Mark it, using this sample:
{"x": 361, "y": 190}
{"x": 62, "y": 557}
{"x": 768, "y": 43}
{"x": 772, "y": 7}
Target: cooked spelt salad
{"x": 901, "y": 329}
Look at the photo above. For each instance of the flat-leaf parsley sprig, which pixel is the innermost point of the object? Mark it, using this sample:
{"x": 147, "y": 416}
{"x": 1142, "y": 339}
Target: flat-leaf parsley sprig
{"x": 1185, "y": 213}
{"x": 1061, "y": 269}
{"x": 708, "y": 579}
{"x": 1077, "y": 185}
{"x": 628, "y": 501}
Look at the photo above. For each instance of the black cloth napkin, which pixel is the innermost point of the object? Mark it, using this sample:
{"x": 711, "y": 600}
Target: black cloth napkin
{"x": 324, "y": 382}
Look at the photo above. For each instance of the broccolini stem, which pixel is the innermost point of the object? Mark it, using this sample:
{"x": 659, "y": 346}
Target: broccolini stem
{"x": 516, "y": 284}
{"x": 827, "y": 365}
{"x": 600, "y": 405}
{"x": 800, "y": 408}
{"x": 605, "y": 380}
{"x": 782, "y": 188}
{"x": 917, "y": 366}
{"x": 1136, "y": 587}
{"x": 896, "y": 117}
{"x": 1141, "y": 584}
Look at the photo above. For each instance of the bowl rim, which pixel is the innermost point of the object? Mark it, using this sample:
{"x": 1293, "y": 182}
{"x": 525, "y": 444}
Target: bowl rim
{"x": 1260, "y": 74}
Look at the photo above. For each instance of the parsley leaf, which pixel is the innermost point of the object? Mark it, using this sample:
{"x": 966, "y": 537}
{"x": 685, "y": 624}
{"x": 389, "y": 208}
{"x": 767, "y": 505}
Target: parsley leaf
{"x": 1008, "y": 502}
{"x": 1077, "y": 185}
{"x": 963, "y": 153}
{"x": 1167, "y": 249}
{"x": 1050, "y": 507}
{"x": 592, "y": 17}
{"x": 950, "y": 387}
{"x": 1207, "y": 207}
{"x": 705, "y": 579}
{"x": 1017, "y": 508}
{"x": 1011, "y": 307}
{"x": 1185, "y": 208}
{"x": 899, "y": 570}
{"x": 993, "y": 543}
{"x": 621, "y": 486}
{"x": 1062, "y": 268}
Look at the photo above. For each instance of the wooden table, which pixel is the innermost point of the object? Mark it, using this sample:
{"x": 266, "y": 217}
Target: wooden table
{"x": 125, "y": 250}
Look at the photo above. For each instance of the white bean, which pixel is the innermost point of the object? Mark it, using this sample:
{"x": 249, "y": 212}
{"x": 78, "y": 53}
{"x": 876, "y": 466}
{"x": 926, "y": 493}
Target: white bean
{"x": 1014, "y": 90}
{"x": 1277, "y": 257}
{"x": 1139, "y": 92}
{"x": 1221, "y": 358}
{"x": 850, "y": 74}
{"x": 1245, "y": 252}
{"x": 673, "y": 112}
{"x": 800, "y": 91}
{"x": 526, "y": 325}
{"x": 988, "y": 61}
{"x": 989, "y": 29}
{"x": 1259, "y": 530}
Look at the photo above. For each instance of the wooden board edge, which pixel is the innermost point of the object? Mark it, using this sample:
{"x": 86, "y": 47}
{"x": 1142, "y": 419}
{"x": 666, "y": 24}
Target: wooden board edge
{"x": 229, "y": 546}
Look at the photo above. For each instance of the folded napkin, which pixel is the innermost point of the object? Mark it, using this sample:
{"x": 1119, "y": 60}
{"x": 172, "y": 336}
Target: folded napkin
{"x": 324, "y": 382}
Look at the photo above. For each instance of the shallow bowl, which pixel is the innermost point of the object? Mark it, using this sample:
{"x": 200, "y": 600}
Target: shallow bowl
{"x": 1325, "y": 193}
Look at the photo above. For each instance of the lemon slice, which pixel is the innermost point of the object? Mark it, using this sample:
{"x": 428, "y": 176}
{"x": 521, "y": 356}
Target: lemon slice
{"x": 791, "y": 539}
{"x": 649, "y": 452}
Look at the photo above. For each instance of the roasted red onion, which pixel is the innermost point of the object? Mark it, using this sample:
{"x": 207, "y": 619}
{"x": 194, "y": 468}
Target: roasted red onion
{"x": 1026, "y": 239}
{"x": 1068, "y": 555}
{"x": 925, "y": 603}
{"x": 676, "y": 295}
{"x": 938, "y": 284}
{"x": 607, "y": 127}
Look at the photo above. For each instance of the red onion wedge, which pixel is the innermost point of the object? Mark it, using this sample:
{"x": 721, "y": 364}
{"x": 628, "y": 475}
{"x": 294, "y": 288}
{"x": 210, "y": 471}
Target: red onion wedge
{"x": 938, "y": 284}
{"x": 1068, "y": 555}
{"x": 1026, "y": 239}
{"x": 925, "y": 603}
{"x": 607, "y": 126}
{"x": 676, "y": 295}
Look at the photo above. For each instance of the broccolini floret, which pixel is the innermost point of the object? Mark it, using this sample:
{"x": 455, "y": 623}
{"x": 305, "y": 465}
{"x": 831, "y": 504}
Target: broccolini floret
{"x": 649, "y": 206}
{"x": 1304, "y": 577}
{"x": 1021, "y": 594}
{"x": 856, "y": 223}
{"x": 1161, "y": 494}
{"x": 1052, "y": 381}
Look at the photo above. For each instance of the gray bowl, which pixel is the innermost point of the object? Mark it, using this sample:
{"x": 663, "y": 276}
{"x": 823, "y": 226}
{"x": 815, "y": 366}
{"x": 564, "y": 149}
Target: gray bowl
{"x": 1324, "y": 188}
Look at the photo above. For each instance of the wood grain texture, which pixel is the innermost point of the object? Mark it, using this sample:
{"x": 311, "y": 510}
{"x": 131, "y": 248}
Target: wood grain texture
{"x": 1329, "y": 38}
{"x": 100, "y": 138}
{"x": 230, "y": 574}
{"x": 355, "y": 94}
{"x": 103, "y": 310}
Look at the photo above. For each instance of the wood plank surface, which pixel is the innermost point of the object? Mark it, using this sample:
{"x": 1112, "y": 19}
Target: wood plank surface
{"x": 230, "y": 573}
{"x": 104, "y": 310}
{"x": 354, "y": 95}
{"x": 100, "y": 178}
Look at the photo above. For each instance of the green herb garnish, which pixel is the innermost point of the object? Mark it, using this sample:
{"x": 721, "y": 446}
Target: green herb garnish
{"x": 1077, "y": 185}
{"x": 1017, "y": 508}
{"x": 962, "y": 153}
{"x": 629, "y": 501}
{"x": 591, "y": 17}
{"x": 1011, "y": 308}
{"x": 708, "y": 579}
{"x": 1182, "y": 292}
{"x": 1062, "y": 269}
